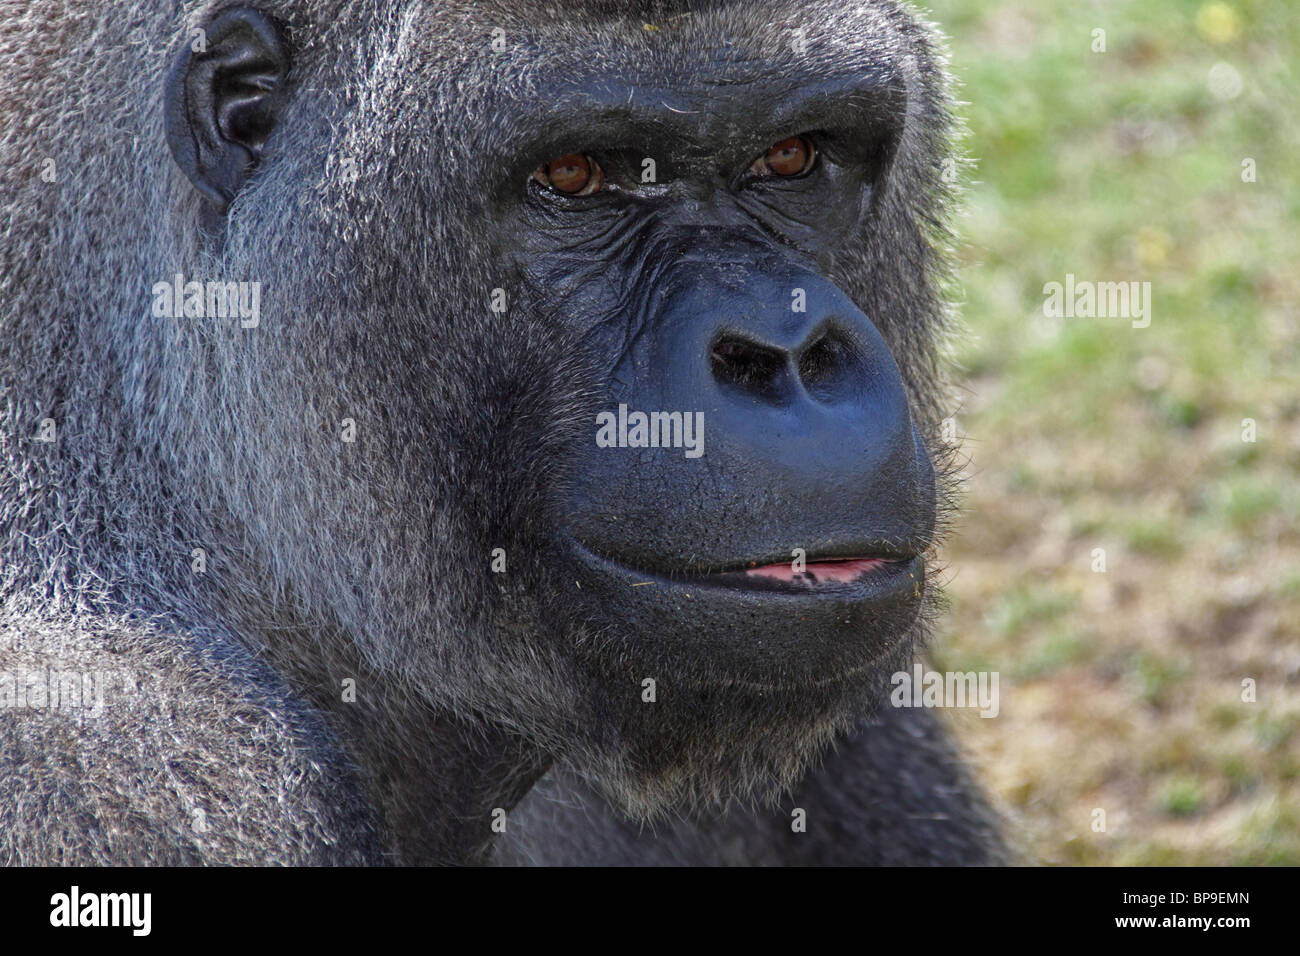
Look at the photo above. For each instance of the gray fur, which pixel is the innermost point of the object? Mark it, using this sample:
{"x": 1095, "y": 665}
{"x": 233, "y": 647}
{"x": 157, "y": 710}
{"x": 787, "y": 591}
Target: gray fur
{"x": 328, "y": 560}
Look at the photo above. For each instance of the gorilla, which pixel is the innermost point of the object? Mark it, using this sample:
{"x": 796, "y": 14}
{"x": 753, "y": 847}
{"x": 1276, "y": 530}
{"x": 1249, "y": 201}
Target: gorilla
{"x": 474, "y": 431}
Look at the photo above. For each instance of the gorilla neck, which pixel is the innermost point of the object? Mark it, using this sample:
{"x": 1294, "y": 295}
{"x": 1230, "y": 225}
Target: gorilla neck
{"x": 441, "y": 783}
{"x": 445, "y": 786}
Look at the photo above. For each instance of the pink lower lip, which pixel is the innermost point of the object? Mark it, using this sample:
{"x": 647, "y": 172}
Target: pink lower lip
{"x": 839, "y": 571}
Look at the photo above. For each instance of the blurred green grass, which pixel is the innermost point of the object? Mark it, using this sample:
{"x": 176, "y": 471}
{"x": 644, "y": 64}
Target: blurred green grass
{"x": 1122, "y": 690}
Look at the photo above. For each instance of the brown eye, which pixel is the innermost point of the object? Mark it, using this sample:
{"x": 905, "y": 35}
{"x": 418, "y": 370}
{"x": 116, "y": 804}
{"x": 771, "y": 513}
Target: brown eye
{"x": 790, "y": 157}
{"x": 574, "y": 175}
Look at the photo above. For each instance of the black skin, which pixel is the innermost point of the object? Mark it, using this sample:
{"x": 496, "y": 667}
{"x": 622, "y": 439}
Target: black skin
{"x": 525, "y": 691}
{"x": 810, "y": 442}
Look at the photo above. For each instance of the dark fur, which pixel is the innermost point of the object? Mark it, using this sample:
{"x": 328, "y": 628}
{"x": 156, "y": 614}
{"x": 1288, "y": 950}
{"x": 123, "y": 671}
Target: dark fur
{"x": 369, "y": 560}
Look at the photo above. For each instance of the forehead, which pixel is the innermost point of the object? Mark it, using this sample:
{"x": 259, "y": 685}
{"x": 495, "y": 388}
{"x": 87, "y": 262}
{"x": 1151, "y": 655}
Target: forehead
{"x": 709, "y": 45}
{"x": 491, "y": 85}
{"x": 710, "y": 66}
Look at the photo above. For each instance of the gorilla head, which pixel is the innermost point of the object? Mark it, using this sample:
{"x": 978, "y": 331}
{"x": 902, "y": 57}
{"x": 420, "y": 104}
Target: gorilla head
{"x": 644, "y": 297}
{"x": 482, "y": 234}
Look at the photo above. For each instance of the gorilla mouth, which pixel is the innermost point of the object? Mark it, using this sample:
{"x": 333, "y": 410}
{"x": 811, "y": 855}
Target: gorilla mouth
{"x": 841, "y": 570}
{"x": 876, "y": 574}
{"x": 869, "y": 574}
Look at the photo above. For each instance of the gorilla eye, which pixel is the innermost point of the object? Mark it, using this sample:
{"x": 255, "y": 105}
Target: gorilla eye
{"x": 787, "y": 159}
{"x": 574, "y": 175}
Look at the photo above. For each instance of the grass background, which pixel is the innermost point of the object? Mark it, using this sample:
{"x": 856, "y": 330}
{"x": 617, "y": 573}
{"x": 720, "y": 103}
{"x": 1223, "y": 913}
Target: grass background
{"x": 1122, "y": 691}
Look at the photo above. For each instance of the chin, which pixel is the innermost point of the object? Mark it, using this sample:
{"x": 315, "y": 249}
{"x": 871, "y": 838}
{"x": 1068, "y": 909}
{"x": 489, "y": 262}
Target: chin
{"x": 751, "y": 682}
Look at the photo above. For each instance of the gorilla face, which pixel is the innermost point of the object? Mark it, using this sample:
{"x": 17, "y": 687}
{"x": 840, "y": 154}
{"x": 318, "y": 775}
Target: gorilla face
{"x": 774, "y": 567}
{"x": 784, "y": 544}
{"x": 695, "y": 427}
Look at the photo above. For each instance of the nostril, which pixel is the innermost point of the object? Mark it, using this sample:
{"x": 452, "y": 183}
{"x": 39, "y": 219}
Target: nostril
{"x": 745, "y": 363}
{"x": 825, "y": 362}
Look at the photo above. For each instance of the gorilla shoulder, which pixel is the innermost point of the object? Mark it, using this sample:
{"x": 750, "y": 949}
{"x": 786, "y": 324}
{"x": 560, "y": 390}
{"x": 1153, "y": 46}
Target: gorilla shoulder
{"x": 143, "y": 745}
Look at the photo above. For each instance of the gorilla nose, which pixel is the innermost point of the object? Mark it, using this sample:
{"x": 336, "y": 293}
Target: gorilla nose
{"x": 798, "y": 389}
{"x": 819, "y": 360}
{"x": 803, "y": 432}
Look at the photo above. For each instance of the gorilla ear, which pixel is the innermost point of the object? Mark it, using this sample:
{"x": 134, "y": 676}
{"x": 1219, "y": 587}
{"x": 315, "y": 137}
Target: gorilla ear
{"x": 223, "y": 98}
